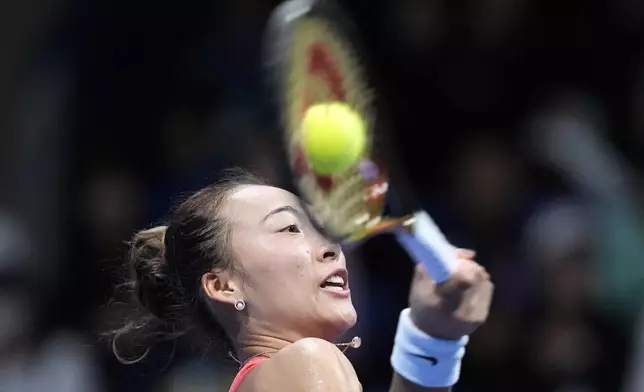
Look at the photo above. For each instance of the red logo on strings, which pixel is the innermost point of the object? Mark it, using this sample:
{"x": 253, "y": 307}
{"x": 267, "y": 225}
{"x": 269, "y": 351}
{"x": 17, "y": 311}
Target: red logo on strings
{"x": 320, "y": 64}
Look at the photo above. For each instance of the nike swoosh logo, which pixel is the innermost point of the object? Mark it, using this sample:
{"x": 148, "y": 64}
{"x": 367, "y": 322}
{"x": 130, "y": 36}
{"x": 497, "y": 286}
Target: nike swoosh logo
{"x": 432, "y": 360}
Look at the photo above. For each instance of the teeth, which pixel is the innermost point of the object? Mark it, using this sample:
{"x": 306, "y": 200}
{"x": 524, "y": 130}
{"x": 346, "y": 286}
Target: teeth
{"x": 336, "y": 280}
{"x": 334, "y": 288}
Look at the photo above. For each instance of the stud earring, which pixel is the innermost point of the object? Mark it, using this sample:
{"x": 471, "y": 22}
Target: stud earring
{"x": 240, "y": 304}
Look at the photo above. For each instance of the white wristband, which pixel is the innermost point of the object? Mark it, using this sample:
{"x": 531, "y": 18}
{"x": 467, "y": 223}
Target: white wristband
{"x": 424, "y": 360}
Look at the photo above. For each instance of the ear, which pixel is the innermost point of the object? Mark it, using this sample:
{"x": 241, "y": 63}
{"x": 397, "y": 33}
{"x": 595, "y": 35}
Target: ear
{"x": 220, "y": 287}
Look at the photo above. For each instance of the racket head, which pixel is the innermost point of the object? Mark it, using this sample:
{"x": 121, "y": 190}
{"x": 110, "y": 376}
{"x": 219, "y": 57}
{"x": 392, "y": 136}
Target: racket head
{"x": 313, "y": 55}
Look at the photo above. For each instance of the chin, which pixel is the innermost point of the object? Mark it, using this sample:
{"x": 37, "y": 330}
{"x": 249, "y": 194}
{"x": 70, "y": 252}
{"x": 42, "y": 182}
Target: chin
{"x": 342, "y": 320}
{"x": 335, "y": 314}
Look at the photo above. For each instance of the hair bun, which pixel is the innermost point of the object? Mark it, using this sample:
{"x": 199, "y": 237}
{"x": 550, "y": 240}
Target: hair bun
{"x": 150, "y": 273}
{"x": 161, "y": 297}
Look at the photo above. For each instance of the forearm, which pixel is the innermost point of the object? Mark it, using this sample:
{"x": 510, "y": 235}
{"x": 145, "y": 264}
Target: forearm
{"x": 400, "y": 384}
{"x": 422, "y": 362}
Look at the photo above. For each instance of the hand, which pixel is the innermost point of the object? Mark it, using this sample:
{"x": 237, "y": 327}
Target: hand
{"x": 453, "y": 308}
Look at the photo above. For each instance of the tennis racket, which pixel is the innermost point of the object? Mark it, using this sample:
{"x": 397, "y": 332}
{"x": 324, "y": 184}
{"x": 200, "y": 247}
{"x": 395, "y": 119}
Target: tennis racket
{"x": 312, "y": 56}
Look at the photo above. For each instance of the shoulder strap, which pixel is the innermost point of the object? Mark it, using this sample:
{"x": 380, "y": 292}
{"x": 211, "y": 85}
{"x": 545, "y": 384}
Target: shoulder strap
{"x": 248, "y": 366}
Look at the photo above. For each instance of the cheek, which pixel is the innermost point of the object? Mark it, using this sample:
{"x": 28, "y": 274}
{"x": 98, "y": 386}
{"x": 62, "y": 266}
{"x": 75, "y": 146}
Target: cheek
{"x": 283, "y": 267}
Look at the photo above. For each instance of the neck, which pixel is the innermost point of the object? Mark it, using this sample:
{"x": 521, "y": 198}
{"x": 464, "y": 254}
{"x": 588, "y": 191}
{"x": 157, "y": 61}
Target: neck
{"x": 267, "y": 345}
{"x": 254, "y": 345}
{"x": 262, "y": 338}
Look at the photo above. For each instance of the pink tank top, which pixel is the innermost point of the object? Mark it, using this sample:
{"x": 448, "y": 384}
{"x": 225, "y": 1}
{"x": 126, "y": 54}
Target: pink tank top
{"x": 248, "y": 366}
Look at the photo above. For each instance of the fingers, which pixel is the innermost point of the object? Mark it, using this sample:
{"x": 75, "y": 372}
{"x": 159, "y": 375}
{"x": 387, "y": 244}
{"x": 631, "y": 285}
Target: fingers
{"x": 465, "y": 254}
{"x": 477, "y": 272}
{"x": 475, "y": 290}
{"x": 479, "y": 301}
{"x": 469, "y": 274}
{"x": 467, "y": 295}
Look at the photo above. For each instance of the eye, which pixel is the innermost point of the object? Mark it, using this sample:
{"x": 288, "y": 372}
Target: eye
{"x": 291, "y": 229}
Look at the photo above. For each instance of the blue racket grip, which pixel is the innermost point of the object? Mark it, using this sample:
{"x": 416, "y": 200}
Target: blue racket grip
{"x": 426, "y": 244}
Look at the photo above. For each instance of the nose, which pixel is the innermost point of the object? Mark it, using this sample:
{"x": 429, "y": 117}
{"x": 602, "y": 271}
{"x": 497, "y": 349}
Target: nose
{"x": 329, "y": 253}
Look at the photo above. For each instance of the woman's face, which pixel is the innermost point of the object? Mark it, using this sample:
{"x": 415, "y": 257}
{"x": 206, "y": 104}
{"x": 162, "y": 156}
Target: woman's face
{"x": 296, "y": 282}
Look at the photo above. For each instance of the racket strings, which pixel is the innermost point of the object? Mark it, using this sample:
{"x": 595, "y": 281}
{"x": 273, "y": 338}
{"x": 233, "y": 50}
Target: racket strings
{"x": 346, "y": 208}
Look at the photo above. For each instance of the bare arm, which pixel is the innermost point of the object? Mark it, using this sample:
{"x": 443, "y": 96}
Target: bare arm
{"x": 447, "y": 311}
{"x": 309, "y": 364}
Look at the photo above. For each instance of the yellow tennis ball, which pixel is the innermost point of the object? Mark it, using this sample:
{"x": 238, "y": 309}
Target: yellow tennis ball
{"x": 333, "y": 137}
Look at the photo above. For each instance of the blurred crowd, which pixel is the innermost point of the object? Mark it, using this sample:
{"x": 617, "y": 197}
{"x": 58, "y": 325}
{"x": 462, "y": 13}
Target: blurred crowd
{"x": 520, "y": 121}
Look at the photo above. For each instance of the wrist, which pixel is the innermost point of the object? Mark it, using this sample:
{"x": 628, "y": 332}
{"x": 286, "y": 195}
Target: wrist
{"x": 431, "y": 328}
{"x": 426, "y": 360}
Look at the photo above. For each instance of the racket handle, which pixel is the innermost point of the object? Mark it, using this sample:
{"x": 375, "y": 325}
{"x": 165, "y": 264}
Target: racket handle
{"x": 426, "y": 244}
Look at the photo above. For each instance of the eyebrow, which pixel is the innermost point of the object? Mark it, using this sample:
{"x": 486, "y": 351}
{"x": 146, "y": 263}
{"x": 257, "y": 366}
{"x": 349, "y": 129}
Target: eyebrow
{"x": 290, "y": 209}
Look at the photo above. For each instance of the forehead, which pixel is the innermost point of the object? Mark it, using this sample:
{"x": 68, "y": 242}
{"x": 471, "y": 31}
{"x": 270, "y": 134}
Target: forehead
{"x": 255, "y": 201}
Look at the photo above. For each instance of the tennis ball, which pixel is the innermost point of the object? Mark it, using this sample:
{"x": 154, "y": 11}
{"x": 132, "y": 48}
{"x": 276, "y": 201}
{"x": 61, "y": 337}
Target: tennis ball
{"x": 333, "y": 137}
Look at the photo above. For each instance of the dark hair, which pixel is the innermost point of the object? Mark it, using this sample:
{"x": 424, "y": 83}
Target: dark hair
{"x": 166, "y": 264}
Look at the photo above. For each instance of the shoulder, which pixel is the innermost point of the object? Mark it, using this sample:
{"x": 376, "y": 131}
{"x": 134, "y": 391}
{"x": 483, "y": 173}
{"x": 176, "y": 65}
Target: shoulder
{"x": 309, "y": 364}
{"x": 309, "y": 348}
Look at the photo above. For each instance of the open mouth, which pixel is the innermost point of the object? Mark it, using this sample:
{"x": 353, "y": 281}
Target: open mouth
{"x": 337, "y": 281}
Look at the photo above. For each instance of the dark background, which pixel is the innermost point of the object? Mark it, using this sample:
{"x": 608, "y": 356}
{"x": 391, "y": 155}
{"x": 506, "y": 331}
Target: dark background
{"x": 520, "y": 120}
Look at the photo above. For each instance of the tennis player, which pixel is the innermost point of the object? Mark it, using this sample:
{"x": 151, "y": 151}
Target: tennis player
{"x": 241, "y": 258}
